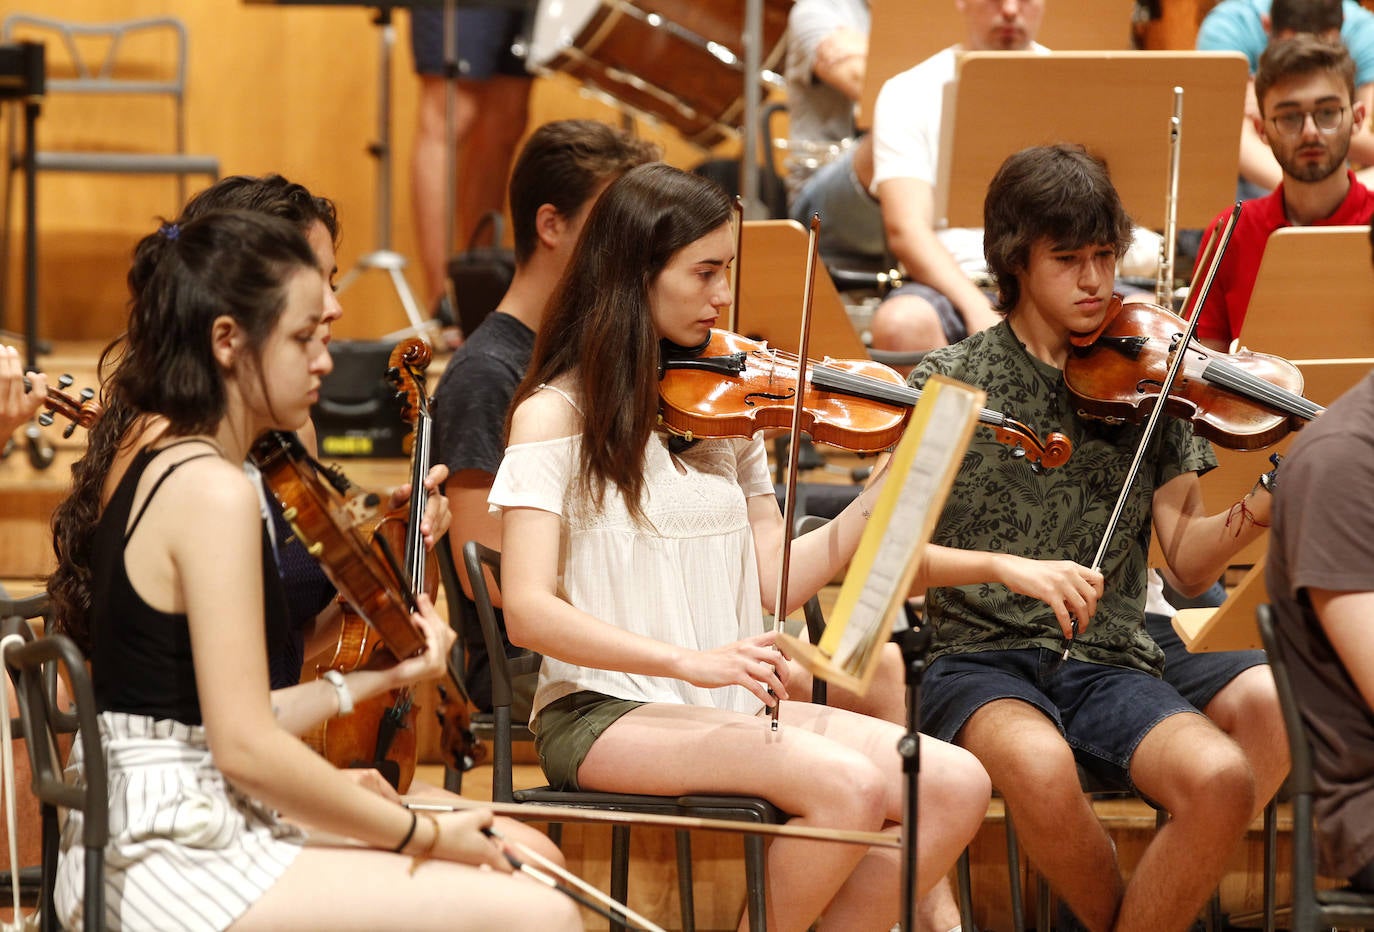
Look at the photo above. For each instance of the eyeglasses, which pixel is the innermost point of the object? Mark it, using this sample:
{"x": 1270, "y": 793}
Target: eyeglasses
{"x": 1326, "y": 119}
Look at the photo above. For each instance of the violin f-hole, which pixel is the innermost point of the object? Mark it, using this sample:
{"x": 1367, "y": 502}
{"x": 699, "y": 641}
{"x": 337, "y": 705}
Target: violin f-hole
{"x": 770, "y": 396}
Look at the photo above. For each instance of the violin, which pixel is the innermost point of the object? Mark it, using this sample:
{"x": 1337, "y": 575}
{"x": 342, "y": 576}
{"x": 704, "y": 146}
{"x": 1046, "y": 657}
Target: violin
{"x": 378, "y": 590}
{"x": 1242, "y": 401}
{"x": 732, "y": 386}
{"x": 82, "y": 411}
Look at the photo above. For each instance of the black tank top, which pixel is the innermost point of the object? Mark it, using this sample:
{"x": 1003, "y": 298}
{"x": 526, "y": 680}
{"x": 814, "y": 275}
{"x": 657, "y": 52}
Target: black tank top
{"x": 141, "y": 657}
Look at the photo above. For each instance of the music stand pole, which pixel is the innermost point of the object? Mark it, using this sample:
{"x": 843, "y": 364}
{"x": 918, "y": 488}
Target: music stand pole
{"x": 451, "y": 71}
{"x": 752, "y": 39}
{"x": 915, "y": 644}
{"x": 383, "y": 257}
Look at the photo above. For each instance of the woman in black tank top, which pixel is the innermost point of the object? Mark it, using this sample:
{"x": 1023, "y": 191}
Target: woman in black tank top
{"x": 224, "y": 342}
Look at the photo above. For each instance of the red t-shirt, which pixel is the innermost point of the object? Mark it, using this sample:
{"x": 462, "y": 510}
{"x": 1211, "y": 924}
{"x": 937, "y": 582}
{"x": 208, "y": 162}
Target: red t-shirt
{"x": 1235, "y": 280}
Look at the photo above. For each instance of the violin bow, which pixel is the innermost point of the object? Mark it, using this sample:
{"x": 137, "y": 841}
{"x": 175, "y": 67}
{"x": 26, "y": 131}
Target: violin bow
{"x": 1157, "y": 411}
{"x": 794, "y": 445}
{"x": 525, "y": 859}
{"x": 733, "y": 317}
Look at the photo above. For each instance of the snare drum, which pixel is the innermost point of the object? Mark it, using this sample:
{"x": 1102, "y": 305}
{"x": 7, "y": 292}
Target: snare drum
{"x": 679, "y": 61}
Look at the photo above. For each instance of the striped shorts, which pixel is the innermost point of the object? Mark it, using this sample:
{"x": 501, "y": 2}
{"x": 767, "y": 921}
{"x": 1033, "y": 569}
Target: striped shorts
{"x": 186, "y": 850}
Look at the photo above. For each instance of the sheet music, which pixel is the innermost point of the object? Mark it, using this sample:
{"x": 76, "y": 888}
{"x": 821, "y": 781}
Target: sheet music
{"x": 911, "y": 499}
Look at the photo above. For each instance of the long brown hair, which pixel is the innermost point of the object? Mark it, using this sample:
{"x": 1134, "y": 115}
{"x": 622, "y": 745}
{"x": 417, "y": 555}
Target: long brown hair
{"x": 598, "y": 330}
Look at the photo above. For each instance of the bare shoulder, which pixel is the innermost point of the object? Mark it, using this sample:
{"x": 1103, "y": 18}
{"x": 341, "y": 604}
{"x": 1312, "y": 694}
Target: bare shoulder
{"x": 217, "y": 487}
{"x": 545, "y": 415}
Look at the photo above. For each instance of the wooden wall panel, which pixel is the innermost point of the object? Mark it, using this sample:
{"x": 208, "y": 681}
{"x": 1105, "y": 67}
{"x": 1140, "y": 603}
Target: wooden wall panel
{"x": 291, "y": 89}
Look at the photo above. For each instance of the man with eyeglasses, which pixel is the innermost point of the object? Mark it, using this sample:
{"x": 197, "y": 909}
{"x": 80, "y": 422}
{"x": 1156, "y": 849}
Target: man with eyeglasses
{"x": 1305, "y": 88}
{"x": 1248, "y": 26}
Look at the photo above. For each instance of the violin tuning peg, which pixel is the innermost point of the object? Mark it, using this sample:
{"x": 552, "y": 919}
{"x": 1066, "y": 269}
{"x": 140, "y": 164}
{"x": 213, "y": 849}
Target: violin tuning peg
{"x": 87, "y": 393}
{"x": 64, "y": 380}
{"x": 1018, "y": 452}
{"x": 45, "y": 419}
{"x": 70, "y": 429}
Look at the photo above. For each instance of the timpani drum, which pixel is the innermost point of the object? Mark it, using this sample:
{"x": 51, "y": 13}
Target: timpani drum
{"x": 677, "y": 61}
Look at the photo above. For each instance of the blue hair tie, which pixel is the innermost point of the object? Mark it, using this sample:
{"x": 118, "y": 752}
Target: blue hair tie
{"x": 170, "y": 230}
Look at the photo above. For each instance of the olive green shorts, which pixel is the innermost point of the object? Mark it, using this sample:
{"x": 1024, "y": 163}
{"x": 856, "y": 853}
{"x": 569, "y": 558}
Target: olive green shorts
{"x": 566, "y": 729}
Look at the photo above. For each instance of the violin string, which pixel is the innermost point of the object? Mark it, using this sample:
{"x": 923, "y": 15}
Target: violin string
{"x": 879, "y": 390}
{"x": 1246, "y": 383}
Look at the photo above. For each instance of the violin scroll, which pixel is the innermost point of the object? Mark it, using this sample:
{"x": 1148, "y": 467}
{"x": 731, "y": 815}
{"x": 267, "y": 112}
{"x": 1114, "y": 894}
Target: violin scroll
{"x": 1052, "y": 453}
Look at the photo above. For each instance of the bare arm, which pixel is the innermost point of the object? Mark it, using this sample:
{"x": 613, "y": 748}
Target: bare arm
{"x": 908, "y": 207}
{"x": 473, "y": 520}
{"x": 1199, "y": 546}
{"x": 1257, "y": 162}
{"x": 841, "y": 59}
{"x": 214, "y": 556}
{"x": 1070, "y": 589}
{"x": 1345, "y": 617}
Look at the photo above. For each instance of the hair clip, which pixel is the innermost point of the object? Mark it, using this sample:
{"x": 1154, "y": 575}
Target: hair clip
{"x": 170, "y": 230}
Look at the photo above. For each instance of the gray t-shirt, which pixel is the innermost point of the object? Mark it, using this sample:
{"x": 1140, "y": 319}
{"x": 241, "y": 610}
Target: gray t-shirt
{"x": 1323, "y": 512}
{"x": 816, "y": 112}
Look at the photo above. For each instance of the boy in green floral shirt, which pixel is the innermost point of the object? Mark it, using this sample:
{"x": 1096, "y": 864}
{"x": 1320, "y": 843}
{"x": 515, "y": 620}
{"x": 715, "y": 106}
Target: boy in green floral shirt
{"x": 1042, "y": 664}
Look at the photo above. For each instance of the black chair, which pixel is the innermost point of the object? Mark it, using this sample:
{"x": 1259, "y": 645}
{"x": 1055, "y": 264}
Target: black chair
{"x": 33, "y": 666}
{"x": 477, "y": 557}
{"x": 1312, "y": 908}
{"x": 482, "y": 722}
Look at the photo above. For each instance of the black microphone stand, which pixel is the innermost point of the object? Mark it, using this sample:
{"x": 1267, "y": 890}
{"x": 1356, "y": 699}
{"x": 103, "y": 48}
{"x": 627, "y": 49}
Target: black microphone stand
{"x": 915, "y": 646}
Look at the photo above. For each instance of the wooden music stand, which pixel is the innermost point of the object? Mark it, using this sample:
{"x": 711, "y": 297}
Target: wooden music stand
{"x": 1229, "y": 626}
{"x": 1314, "y": 295}
{"x": 905, "y": 33}
{"x": 772, "y": 285}
{"x": 1002, "y": 102}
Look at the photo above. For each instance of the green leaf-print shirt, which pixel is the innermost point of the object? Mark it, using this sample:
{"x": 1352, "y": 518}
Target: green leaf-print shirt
{"x": 999, "y": 504}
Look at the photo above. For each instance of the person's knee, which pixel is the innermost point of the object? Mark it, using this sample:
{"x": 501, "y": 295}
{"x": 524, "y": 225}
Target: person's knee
{"x": 906, "y": 323}
{"x": 1214, "y": 782}
{"x": 855, "y": 790}
{"x": 1249, "y": 700}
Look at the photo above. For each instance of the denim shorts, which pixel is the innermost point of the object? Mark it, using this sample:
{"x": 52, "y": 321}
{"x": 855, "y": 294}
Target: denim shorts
{"x": 485, "y": 36}
{"x": 1103, "y": 712}
{"x": 567, "y": 728}
{"x": 851, "y": 221}
{"x": 1198, "y": 677}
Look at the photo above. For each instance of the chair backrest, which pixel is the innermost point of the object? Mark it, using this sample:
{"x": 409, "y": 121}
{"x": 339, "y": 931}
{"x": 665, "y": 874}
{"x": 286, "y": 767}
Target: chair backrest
{"x": 34, "y": 666}
{"x": 1299, "y": 747}
{"x": 478, "y": 559}
{"x": 115, "y": 58}
{"x": 93, "y": 52}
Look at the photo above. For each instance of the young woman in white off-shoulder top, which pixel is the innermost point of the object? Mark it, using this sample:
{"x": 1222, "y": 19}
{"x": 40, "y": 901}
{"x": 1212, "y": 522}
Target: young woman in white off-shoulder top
{"x": 640, "y": 568}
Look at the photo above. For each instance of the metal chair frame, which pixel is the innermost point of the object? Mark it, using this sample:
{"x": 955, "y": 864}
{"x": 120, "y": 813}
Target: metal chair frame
{"x": 33, "y": 667}
{"x": 100, "y": 78}
{"x": 1312, "y": 908}
{"x": 478, "y": 557}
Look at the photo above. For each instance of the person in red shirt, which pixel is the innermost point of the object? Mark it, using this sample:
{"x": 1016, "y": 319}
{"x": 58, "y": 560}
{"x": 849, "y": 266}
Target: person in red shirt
{"x": 1306, "y": 92}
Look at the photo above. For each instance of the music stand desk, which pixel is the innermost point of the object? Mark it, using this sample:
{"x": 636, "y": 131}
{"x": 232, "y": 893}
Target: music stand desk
{"x": 772, "y": 285}
{"x": 1229, "y": 626}
{"x": 1314, "y": 295}
{"x": 1002, "y": 102}
{"x": 904, "y": 33}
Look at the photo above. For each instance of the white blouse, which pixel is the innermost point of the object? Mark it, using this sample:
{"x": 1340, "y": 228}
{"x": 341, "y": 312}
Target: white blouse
{"x": 687, "y": 577}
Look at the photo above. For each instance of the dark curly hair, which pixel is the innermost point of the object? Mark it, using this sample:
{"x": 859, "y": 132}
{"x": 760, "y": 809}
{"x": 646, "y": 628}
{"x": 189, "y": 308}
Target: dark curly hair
{"x": 222, "y": 263}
